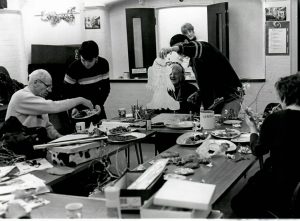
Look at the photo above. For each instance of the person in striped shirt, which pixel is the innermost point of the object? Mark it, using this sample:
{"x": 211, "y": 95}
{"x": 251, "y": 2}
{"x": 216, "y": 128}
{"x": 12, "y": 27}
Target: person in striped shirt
{"x": 215, "y": 76}
{"x": 88, "y": 77}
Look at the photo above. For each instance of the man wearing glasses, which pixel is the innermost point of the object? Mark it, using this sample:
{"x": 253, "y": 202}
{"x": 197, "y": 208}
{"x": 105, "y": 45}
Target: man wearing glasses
{"x": 31, "y": 108}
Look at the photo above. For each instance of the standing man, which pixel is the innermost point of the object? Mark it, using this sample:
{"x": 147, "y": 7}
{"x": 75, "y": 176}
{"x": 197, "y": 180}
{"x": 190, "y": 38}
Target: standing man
{"x": 214, "y": 74}
{"x": 89, "y": 77}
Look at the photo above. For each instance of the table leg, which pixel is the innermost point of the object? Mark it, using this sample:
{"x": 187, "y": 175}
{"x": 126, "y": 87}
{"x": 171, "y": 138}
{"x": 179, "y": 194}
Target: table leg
{"x": 137, "y": 153}
{"x": 141, "y": 153}
{"x": 127, "y": 155}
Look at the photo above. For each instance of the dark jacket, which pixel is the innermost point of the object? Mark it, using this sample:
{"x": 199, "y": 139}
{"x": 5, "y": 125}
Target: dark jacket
{"x": 181, "y": 93}
{"x": 214, "y": 74}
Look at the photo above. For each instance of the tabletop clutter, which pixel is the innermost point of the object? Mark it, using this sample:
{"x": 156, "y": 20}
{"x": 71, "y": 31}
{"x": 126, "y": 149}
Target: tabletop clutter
{"x": 163, "y": 190}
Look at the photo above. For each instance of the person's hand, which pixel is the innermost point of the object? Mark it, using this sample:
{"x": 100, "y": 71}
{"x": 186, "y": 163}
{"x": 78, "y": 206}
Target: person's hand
{"x": 164, "y": 52}
{"x": 74, "y": 112}
{"x": 87, "y": 103}
{"x": 98, "y": 108}
{"x": 250, "y": 121}
{"x": 193, "y": 98}
{"x": 251, "y": 124}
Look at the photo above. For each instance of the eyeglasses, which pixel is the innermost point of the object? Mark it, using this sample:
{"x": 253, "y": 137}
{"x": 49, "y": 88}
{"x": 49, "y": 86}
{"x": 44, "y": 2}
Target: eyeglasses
{"x": 47, "y": 85}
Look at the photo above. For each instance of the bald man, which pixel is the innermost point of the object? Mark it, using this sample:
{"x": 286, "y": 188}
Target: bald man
{"x": 31, "y": 108}
{"x": 183, "y": 89}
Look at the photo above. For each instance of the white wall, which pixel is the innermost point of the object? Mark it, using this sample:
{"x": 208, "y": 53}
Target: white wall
{"x": 167, "y": 18}
{"x": 12, "y": 51}
{"x": 246, "y": 38}
{"x": 113, "y": 42}
{"x": 64, "y": 33}
{"x": 247, "y": 46}
{"x": 119, "y": 32}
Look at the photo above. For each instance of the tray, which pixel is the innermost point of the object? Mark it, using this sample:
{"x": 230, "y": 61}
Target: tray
{"x": 90, "y": 113}
{"x": 231, "y": 122}
{"x": 181, "y": 140}
{"x": 243, "y": 138}
{"x": 181, "y": 125}
{"x": 137, "y": 136}
{"x": 215, "y": 145}
{"x": 226, "y": 134}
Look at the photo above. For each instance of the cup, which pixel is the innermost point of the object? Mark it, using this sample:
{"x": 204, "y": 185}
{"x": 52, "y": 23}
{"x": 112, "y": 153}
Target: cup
{"x": 207, "y": 119}
{"x": 80, "y": 127}
{"x": 122, "y": 112}
{"x": 219, "y": 118}
{"x": 74, "y": 210}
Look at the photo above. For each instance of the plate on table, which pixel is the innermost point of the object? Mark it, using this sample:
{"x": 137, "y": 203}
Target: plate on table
{"x": 216, "y": 147}
{"x": 227, "y": 133}
{"x": 84, "y": 114}
{"x": 125, "y": 137}
{"x": 191, "y": 138}
{"x": 119, "y": 130}
{"x": 231, "y": 122}
{"x": 243, "y": 138}
{"x": 181, "y": 125}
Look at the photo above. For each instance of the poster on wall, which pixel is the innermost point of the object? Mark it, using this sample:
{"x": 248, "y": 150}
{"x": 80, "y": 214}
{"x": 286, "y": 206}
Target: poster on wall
{"x": 92, "y": 22}
{"x": 277, "y": 34}
{"x": 275, "y": 13}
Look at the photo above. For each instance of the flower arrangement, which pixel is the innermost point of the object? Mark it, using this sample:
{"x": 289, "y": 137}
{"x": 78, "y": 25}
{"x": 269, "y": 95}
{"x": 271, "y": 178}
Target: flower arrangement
{"x": 55, "y": 18}
{"x": 238, "y": 95}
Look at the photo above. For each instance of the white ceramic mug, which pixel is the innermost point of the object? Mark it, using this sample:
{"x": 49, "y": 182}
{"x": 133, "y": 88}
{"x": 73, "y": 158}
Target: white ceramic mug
{"x": 80, "y": 127}
{"x": 74, "y": 210}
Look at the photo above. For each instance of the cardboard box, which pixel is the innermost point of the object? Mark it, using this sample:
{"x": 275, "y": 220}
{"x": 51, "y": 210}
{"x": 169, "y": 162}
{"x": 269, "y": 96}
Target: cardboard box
{"x": 185, "y": 194}
{"x": 74, "y": 155}
{"x": 130, "y": 200}
{"x": 149, "y": 210}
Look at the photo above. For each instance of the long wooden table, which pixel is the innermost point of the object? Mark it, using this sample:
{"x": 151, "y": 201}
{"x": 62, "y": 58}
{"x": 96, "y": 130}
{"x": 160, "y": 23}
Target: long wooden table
{"x": 224, "y": 174}
{"x": 92, "y": 208}
{"x": 109, "y": 150}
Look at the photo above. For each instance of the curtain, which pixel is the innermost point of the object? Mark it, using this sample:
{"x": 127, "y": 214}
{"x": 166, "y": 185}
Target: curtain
{"x": 3, "y": 4}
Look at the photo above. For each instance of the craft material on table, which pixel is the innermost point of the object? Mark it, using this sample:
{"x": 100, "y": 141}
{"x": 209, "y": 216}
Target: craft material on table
{"x": 185, "y": 194}
{"x": 149, "y": 175}
{"x": 32, "y": 165}
{"x": 70, "y": 139}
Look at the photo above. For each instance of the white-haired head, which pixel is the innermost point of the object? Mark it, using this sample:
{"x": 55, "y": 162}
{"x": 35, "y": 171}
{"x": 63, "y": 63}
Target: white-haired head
{"x": 40, "y": 82}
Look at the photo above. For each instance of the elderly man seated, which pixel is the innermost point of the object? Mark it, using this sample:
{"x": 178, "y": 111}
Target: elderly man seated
{"x": 31, "y": 108}
{"x": 183, "y": 89}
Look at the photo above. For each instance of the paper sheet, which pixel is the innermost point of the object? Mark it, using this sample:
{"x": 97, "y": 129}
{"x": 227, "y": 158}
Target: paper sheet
{"x": 28, "y": 166}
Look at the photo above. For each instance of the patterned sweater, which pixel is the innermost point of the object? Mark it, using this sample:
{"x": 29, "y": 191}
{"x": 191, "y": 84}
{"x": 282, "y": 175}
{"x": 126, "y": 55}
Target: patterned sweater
{"x": 92, "y": 84}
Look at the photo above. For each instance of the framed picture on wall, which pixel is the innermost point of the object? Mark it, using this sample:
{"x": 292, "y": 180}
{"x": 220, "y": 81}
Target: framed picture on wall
{"x": 92, "y": 22}
{"x": 277, "y": 38}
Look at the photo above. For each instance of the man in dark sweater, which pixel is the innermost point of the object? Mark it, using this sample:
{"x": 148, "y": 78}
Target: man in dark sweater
{"x": 214, "y": 74}
{"x": 88, "y": 77}
{"x": 183, "y": 89}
